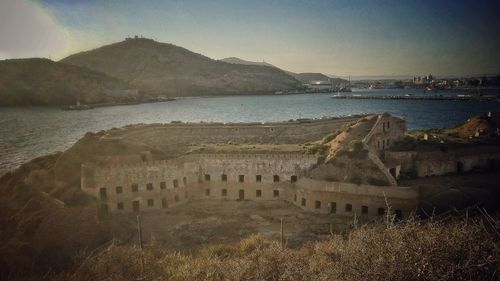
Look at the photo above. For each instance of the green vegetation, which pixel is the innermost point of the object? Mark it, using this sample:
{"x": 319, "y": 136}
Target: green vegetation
{"x": 356, "y": 151}
{"x": 317, "y": 148}
{"x": 412, "y": 250}
{"x": 328, "y": 138}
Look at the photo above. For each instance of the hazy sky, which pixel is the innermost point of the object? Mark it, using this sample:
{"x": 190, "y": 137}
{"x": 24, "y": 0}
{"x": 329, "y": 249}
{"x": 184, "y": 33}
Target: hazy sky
{"x": 335, "y": 37}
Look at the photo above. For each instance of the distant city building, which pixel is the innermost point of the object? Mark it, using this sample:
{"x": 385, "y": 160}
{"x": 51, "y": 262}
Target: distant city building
{"x": 320, "y": 85}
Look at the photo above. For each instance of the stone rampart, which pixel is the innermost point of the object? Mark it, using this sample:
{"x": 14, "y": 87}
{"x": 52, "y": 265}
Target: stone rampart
{"x": 451, "y": 161}
{"x": 298, "y": 131}
{"x": 351, "y": 199}
{"x": 154, "y": 185}
{"x": 161, "y": 180}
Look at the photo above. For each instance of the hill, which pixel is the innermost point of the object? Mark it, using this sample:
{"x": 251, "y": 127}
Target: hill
{"x": 168, "y": 70}
{"x": 308, "y": 77}
{"x": 305, "y": 77}
{"x": 235, "y": 60}
{"x": 37, "y": 81}
{"x": 482, "y": 125}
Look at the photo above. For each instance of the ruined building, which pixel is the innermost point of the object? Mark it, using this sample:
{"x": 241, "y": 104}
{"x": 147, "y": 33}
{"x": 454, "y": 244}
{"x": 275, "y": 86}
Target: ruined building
{"x": 310, "y": 181}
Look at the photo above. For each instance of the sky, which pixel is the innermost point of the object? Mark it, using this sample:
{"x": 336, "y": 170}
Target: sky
{"x": 335, "y": 37}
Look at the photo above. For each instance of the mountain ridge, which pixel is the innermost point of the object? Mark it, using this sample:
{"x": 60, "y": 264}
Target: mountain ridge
{"x": 165, "y": 69}
{"x": 303, "y": 77}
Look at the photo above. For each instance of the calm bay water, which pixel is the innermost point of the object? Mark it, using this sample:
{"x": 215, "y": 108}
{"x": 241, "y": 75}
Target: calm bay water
{"x": 29, "y": 132}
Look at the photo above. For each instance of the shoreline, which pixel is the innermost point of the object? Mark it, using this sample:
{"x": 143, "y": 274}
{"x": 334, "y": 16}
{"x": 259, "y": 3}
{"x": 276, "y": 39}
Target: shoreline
{"x": 349, "y": 95}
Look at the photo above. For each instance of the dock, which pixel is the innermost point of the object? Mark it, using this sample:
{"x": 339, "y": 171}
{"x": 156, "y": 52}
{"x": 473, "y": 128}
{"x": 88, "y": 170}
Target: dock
{"x": 441, "y": 98}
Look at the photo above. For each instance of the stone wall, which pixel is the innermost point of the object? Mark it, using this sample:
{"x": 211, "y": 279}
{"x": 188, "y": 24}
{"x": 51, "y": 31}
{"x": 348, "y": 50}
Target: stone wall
{"x": 351, "y": 199}
{"x": 385, "y": 132}
{"x": 451, "y": 161}
{"x": 165, "y": 182}
{"x": 173, "y": 181}
{"x": 154, "y": 185}
{"x": 298, "y": 131}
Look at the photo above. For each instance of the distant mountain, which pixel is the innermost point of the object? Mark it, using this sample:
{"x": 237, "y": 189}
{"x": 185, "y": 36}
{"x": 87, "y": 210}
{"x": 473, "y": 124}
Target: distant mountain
{"x": 304, "y": 78}
{"x": 44, "y": 82}
{"x": 235, "y": 60}
{"x": 164, "y": 69}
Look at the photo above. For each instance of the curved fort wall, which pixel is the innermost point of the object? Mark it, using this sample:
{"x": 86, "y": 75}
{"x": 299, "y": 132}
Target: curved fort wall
{"x": 297, "y": 131}
{"x": 154, "y": 185}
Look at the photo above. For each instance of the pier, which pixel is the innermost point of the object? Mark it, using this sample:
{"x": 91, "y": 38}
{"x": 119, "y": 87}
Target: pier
{"x": 442, "y": 98}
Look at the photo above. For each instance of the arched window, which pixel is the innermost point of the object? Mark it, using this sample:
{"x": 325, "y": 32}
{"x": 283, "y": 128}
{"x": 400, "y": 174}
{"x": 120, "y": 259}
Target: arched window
{"x": 276, "y": 178}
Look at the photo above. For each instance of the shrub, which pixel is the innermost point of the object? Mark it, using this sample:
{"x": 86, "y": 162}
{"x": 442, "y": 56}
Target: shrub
{"x": 252, "y": 243}
{"x": 411, "y": 250}
{"x": 317, "y": 148}
{"x": 328, "y": 138}
{"x": 218, "y": 251}
{"x": 356, "y": 151}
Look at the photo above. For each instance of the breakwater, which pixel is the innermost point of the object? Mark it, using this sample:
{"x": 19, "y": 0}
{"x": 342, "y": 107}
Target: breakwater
{"x": 441, "y": 98}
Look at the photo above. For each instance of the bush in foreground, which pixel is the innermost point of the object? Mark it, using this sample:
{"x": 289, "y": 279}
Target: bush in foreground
{"x": 413, "y": 250}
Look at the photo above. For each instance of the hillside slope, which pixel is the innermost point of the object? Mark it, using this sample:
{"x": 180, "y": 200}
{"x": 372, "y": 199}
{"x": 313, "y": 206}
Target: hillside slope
{"x": 306, "y": 77}
{"x": 44, "y": 82}
{"x": 235, "y": 60}
{"x": 168, "y": 70}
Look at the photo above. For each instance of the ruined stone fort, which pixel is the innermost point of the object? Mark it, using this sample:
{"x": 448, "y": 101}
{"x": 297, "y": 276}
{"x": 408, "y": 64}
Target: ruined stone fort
{"x": 335, "y": 166}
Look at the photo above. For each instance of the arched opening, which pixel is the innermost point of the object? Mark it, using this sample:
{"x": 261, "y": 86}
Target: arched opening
{"x": 317, "y": 204}
{"x": 258, "y": 178}
{"x": 333, "y": 207}
{"x": 393, "y": 172}
{"x": 103, "y": 193}
{"x": 135, "y": 206}
{"x": 276, "y": 178}
{"x": 348, "y": 208}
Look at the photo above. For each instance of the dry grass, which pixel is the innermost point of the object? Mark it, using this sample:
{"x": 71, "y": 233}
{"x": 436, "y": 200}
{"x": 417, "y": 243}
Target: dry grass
{"x": 413, "y": 250}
